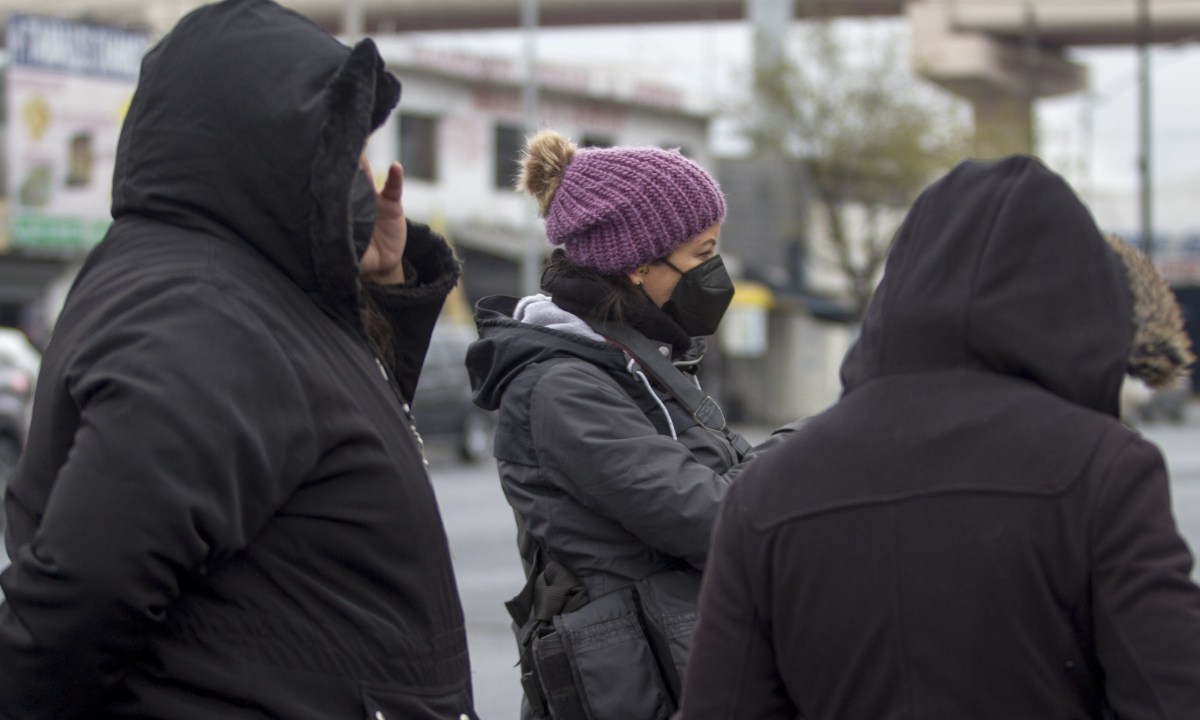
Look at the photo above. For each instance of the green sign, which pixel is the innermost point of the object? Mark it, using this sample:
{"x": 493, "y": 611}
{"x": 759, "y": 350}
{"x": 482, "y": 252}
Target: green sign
{"x": 57, "y": 233}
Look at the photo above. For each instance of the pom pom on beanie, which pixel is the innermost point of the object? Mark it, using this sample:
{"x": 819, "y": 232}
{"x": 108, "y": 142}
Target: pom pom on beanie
{"x": 614, "y": 209}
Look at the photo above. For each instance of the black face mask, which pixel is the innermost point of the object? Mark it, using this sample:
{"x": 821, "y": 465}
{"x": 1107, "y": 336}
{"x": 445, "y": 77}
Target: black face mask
{"x": 362, "y": 210}
{"x": 701, "y": 297}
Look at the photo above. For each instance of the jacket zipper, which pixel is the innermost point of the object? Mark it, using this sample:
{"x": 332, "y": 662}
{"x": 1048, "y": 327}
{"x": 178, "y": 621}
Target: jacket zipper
{"x": 408, "y": 416}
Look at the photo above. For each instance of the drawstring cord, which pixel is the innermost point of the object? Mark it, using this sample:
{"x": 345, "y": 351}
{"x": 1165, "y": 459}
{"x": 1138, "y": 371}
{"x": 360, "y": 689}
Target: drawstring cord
{"x": 631, "y": 367}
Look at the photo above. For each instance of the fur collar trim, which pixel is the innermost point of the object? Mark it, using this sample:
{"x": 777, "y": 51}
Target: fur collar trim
{"x": 1161, "y": 348}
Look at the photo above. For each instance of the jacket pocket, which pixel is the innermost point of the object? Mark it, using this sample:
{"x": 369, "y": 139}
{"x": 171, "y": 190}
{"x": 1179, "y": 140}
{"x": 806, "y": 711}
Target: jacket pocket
{"x": 668, "y": 603}
{"x": 613, "y": 662}
{"x": 399, "y": 702}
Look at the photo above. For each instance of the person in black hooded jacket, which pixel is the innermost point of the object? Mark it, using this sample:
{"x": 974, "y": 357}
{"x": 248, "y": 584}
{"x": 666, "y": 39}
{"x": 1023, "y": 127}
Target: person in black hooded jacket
{"x": 223, "y": 509}
{"x": 975, "y": 533}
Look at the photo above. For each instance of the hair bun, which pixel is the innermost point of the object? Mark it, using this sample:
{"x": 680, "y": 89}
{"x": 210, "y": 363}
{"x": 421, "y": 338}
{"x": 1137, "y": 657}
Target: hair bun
{"x": 543, "y": 163}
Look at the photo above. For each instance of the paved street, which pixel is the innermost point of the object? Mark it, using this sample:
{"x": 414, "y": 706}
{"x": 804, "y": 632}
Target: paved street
{"x": 482, "y": 538}
{"x": 483, "y": 542}
{"x": 482, "y": 534}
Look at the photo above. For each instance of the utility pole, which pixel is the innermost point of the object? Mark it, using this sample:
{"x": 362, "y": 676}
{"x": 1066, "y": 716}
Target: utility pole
{"x": 770, "y": 23}
{"x": 781, "y": 203}
{"x": 1144, "y": 160}
{"x": 1031, "y": 71}
{"x": 532, "y": 255}
{"x": 353, "y": 19}
{"x": 1087, "y": 122}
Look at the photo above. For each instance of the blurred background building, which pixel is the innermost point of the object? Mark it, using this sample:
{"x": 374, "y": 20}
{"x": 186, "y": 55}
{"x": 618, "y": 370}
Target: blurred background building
{"x": 821, "y": 146}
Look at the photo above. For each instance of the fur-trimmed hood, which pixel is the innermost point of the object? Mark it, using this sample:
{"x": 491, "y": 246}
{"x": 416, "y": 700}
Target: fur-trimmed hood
{"x": 1161, "y": 348}
{"x": 999, "y": 267}
{"x": 302, "y": 106}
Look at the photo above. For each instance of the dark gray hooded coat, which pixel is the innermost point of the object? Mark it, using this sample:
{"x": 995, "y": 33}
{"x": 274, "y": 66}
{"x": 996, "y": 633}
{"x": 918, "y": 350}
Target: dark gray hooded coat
{"x": 223, "y": 511}
{"x": 612, "y": 477}
{"x": 586, "y": 452}
{"x": 970, "y": 532}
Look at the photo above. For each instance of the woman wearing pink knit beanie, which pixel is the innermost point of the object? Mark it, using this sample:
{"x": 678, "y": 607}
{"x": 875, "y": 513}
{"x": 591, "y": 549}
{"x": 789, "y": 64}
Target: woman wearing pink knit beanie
{"x": 612, "y": 457}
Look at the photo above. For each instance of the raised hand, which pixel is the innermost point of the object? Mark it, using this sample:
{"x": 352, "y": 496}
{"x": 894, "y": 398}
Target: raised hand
{"x": 382, "y": 262}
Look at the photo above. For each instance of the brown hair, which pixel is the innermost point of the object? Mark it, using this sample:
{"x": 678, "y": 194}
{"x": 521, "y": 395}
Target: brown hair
{"x": 616, "y": 304}
{"x": 379, "y": 330}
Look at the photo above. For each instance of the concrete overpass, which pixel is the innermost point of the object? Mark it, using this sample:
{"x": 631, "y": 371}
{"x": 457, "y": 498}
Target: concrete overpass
{"x": 1001, "y": 55}
{"x": 386, "y": 16}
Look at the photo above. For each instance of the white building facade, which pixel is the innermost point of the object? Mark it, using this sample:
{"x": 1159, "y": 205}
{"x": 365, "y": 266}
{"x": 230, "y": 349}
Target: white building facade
{"x": 459, "y": 130}
{"x": 461, "y": 125}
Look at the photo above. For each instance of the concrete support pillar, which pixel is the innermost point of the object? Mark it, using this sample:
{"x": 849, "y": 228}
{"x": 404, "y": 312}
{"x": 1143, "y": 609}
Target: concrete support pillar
{"x": 1001, "y": 77}
{"x": 1003, "y": 125}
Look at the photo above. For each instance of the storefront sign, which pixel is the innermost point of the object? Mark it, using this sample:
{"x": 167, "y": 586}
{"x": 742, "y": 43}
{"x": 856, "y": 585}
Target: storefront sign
{"x": 68, "y": 86}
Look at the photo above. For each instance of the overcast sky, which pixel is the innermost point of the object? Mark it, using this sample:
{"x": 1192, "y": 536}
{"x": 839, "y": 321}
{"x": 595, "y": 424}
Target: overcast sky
{"x": 710, "y": 63}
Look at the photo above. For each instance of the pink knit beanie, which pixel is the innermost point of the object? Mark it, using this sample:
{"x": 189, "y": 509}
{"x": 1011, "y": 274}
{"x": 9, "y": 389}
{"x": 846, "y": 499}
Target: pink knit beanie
{"x": 613, "y": 209}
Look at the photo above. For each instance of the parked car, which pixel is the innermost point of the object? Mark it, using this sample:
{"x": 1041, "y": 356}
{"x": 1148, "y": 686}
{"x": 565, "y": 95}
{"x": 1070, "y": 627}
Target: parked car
{"x": 19, "y": 364}
{"x": 443, "y": 408}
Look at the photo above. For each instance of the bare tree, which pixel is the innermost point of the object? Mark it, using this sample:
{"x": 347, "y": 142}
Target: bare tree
{"x": 870, "y": 135}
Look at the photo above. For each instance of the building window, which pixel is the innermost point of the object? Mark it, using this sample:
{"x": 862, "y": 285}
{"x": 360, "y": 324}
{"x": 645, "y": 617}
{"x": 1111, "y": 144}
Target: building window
{"x": 418, "y": 146}
{"x": 510, "y": 140}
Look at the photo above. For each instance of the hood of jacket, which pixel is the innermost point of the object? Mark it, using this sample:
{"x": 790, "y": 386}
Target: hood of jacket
{"x": 253, "y": 134}
{"x": 506, "y": 347}
{"x": 999, "y": 267}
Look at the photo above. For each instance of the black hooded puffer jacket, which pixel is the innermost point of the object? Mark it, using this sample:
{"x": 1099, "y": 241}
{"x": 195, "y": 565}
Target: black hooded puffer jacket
{"x": 223, "y": 510}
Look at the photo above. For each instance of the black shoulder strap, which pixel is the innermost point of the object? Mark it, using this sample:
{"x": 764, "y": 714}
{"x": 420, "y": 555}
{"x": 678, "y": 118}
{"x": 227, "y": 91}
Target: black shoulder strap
{"x": 550, "y": 588}
{"x": 702, "y": 407}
